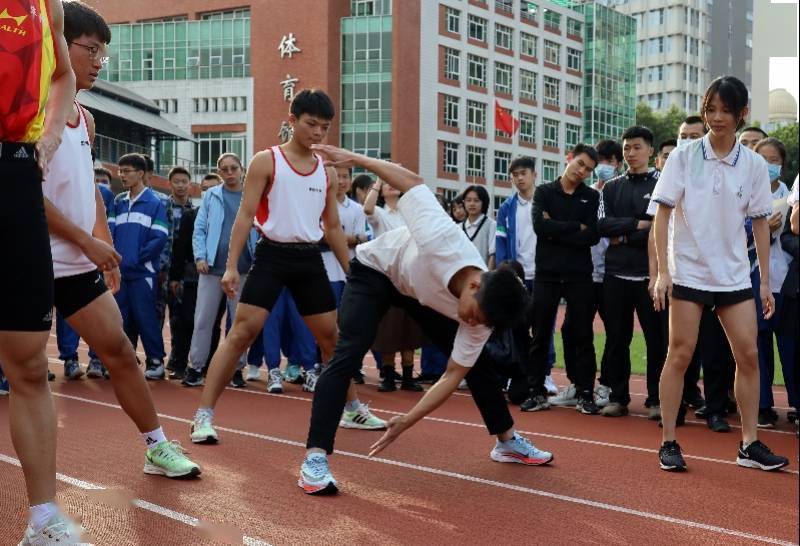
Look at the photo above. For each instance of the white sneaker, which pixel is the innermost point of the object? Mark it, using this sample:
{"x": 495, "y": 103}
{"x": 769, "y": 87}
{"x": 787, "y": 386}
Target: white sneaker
{"x": 361, "y": 418}
{"x": 310, "y": 381}
{"x": 601, "y": 395}
{"x": 567, "y": 396}
{"x": 463, "y": 385}
{"x": 274, "y": 384}
{"x": 550, "y": 385}
{"x": 253, "y": 373}
{"x": 60, "y": 530}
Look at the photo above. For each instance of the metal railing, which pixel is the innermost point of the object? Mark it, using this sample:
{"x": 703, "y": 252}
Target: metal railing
{"x": 109, "y": 150}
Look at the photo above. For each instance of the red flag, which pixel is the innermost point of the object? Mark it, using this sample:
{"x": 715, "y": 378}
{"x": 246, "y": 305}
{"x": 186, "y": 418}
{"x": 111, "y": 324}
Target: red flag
{"x": 504, "y": 121}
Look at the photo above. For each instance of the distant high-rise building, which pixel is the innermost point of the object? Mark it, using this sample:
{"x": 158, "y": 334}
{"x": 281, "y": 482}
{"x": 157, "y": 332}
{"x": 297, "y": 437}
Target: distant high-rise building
{"x": 731, "y": 40}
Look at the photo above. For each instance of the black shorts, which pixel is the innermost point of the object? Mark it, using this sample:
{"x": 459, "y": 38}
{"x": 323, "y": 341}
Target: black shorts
{"x": 76, "y": 292}
{"x": 26, "y": 274}
{"x": 296, "y": 266}
{"x": 709, "y": 298}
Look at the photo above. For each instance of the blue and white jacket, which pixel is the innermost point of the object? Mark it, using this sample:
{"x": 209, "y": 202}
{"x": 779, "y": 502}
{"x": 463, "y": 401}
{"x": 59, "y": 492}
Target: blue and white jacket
{"x": 140, "y": 232}
{"x": 208, "y": 227}
{"x": 108, "y": 197}
{"x": 506, "y": 235}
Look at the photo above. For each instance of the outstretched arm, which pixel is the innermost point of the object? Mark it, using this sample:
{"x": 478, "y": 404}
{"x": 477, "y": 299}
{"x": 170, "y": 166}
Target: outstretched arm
{"x": 393, "y": 174}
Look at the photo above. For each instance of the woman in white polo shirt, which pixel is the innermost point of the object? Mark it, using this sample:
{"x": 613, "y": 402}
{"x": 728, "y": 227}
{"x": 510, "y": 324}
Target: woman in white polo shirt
{"x": 713, "y": 184}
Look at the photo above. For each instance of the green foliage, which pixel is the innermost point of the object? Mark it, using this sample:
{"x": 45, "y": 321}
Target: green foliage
{"x": 788, "y": 134}
{"x": 663, "y": 124}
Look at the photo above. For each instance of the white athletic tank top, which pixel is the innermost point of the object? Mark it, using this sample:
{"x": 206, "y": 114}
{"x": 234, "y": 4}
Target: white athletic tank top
{"x": 70, "y": 187}
{"x": 291, "y": 211}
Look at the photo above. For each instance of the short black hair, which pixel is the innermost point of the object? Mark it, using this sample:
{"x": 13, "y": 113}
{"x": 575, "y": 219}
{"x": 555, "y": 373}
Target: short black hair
{"x": 82, "y": 20}
{"x": 133, "y": 160}
{"x": 668, "y": 142}
{"x": 522, "y": 162}
{"x": 178, "y": 170}
{"x": 756, "y": 129}
{"x": 609, "y": 149}
{"x": 502, "y": 297}
{"x": 151, "y": 166}
{"x": 732, "y": 92}
{"x": 103, "y": 171}
{"x": 515, "y": 265}
{"x": 482, "y": 194}
{"x": 215, "y": 176}
{"x": 313, "y": 102}
{"x": 582, "y": 148}
{"x": 638, "y": 131}
{"x": 691, "y": 120}
{"x": 362, "y": 182}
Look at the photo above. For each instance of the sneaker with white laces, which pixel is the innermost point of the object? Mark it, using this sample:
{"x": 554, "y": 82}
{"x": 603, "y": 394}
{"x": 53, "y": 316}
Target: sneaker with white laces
{"x": 253, "y": 372}
{"x": 315, "y": 476}
{"x": 757, "y": 455}
{"x": 601, "y": 395}
{"x": 274, "y": 385}
{"x": 59, "y": 530}
{"x": 310, "y": 380}
{"x": 519, "y": 450}
{"x": 361, "y": 418}
{"x": 201, "y": 430}
{"x": 169, "y": 459}
{"x": 550, "y": 385}
{"x": 568, "y": 396}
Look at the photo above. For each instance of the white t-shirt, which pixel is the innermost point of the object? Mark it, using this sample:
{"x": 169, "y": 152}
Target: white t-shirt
{"x": 384, "y": 219}
{"x": 351, "y": 216}
{"x": 711, "y": 198}
{"x": 526, "y": 238}
{"x": 422, "y": 258}
{"x": 778, "y": 259}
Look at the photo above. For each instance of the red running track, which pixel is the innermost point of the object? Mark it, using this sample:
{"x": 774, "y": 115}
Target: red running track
{"x": 435, "y": 485}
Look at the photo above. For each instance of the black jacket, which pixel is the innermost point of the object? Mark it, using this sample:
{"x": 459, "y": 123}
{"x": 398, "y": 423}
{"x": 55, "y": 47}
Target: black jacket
{"x": 624, "y": 203}
{"x": 790, "y": 243}
{"x": 182, "y": 266}
{"x": 563, "y": 249}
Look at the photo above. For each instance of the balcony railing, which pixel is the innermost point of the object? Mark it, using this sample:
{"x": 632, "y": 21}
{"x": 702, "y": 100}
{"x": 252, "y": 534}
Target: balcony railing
{"x": 109, "y": 150}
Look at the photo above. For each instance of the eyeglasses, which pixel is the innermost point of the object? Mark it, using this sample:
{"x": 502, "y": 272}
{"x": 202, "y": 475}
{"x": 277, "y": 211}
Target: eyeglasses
{"x": 95, "y": 52}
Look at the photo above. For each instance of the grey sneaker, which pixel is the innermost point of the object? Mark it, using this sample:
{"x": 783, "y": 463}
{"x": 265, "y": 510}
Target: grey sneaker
{"x": 568, "y": 396}
{"x": 72, "y": 369}
{"x": 614, "y": 409}
{"x": 95, "y": 369}
{"x": 155, "y": 369}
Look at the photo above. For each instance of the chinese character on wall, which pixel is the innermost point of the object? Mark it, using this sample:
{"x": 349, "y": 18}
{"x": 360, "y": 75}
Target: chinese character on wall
{"x": 288, "y": 46}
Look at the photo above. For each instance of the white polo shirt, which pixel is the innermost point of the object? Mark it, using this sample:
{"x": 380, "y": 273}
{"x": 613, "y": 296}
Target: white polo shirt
{"x": 711, "y": 198}
{"x": 384, "y": 219}
{"x": 421, "y": 259}
{"x": 353, "y": 220}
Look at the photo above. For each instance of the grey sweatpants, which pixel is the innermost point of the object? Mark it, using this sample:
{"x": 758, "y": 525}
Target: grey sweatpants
{"x": 209, "y": 292}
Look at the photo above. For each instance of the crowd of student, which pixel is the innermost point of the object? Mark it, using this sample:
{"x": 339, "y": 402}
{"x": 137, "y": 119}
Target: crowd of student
{"x": 174, "y": 256}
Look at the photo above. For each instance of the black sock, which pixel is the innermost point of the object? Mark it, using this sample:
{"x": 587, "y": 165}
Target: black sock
{"x": 408, "y": 373}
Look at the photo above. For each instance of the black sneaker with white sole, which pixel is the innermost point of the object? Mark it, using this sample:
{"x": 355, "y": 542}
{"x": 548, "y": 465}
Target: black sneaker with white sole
{"x": 535, "y": 403}
{"x": 192, "y": 378}
{"x": 587, "y": 406}
{"x": 670, "y": 457}
{"x": 237, "y": 381}
{"x": 757, "y": 455}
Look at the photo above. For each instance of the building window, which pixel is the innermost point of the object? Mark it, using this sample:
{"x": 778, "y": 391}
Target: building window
{"x": 655, "y": 101}
{"x": 527, "y": 84}
{"x": 209, "y": 146}
{"x": 506, "y": 6}
{"x": 639, "y": 72}
{"x": 243, "y": 13}
{"x": 528, "y": 44}
{"x": 572, "y": 135}
{"x": 656, "y": 17}
{"x": 528, "y": 10}
{"x": 450, "y": 157}
{"x": 503, "y": 76}
{"x": 552, "y": 52}
{"x": 655, "y": 73}
{"x": 501, "y": 162}
{"x": 477, "y": 70}
{"x": 451, "y": 64}
{"x": 552, "y": 91}
{"x": 549, "y": 170}
{"x": 552, "y": 19}
{"x": 451, "y": 111}
{"x": 550, "y": 129}
{"x": 691, "y": 45}
{"x": 573, "y": 97}
{"x": 477, "y": 28}
{"x": 368, "y": 7}
{"x": 453, "y": 20}
{"x": 655, "y": 45}
{"x": 527, "y": 128}
{"x": 504, "y": 36}
{"x": 476, "y": 161}
{"x": 574, "y": 59}
{"x": 574, "y": 27}
{"x": 476, "y": 116}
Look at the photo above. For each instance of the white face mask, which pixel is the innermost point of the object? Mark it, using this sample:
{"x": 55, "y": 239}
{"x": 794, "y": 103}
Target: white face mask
{"x": 684, "y": 141}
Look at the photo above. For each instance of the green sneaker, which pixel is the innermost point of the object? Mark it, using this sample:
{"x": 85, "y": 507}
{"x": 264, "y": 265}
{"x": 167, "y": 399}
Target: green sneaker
{"x": 361, "y": 418}
{"x": 292, "y": 374}
{"x": 202, "y": 432}
{"x": 168, "y": 459}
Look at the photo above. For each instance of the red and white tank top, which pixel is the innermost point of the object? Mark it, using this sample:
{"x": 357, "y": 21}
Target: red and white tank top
{"x": 70, "y": 187}
{"x": 290, "y": 212}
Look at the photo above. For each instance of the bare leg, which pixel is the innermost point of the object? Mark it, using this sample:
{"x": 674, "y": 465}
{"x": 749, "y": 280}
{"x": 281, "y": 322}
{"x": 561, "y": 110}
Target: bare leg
{"x": 684, "y": 323}
{"x": 31, "y": 412}
{"x": 100, "y": 326}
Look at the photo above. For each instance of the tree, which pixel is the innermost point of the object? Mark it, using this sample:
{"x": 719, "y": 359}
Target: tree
{"x": 788, "y": 134}
{"x": 663, "y": 124}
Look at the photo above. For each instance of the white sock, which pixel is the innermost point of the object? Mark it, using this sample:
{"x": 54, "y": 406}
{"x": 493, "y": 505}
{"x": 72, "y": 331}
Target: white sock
{"x": 352, "y": 405}
{"x": 41, "y": 514}
{"x": 204, "y": 412}
{"x": 154, "y": 437}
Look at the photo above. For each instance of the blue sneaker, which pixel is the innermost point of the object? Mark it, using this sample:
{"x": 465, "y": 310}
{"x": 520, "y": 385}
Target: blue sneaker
{"x": 4, "y": 388}
{"x": 72, "y": 369}
{"x": 315, "y": 477}
{"x": 519, "y": 450}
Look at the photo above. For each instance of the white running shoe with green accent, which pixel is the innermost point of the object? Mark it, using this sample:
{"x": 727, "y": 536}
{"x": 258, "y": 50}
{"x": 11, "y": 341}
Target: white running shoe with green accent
{"x": 361, "y": 418}
{"x": 169, "y": 459}
{"x": 201, "y": 430}
{"x": 60, "y": 530}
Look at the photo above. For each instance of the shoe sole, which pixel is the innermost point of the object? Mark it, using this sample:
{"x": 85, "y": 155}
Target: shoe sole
{"x": 668, "y": 468}
{"x": 93, "y": 375}
{"x": 586, "y": 412}
{"x": 561, "y": 404}
{"x": 519, "y": 459}
{"x": 329, "y": 489}
{"x": 615, "y": 414}
{"x": 768, "y": 425}
{"x": 76, "y": 375}
{"x": 158, "y": 471}
{"x": 151, "y": 378}
{"x": 749, "y": 463}
{"x": 208, "y": 439}
{"x": 275, "y": 390}
{"x": 348, "y": 424}
{"x": 535, "y": 408}
{"x": 185, "y": 384}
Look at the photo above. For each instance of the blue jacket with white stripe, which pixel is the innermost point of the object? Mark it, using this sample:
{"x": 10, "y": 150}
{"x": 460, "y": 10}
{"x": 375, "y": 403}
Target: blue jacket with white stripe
{"x": 139, "y": 229}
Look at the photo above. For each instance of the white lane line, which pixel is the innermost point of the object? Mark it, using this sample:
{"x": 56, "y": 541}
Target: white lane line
{"x": 139, "y": 503}
{"x": 484, "y": 481}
